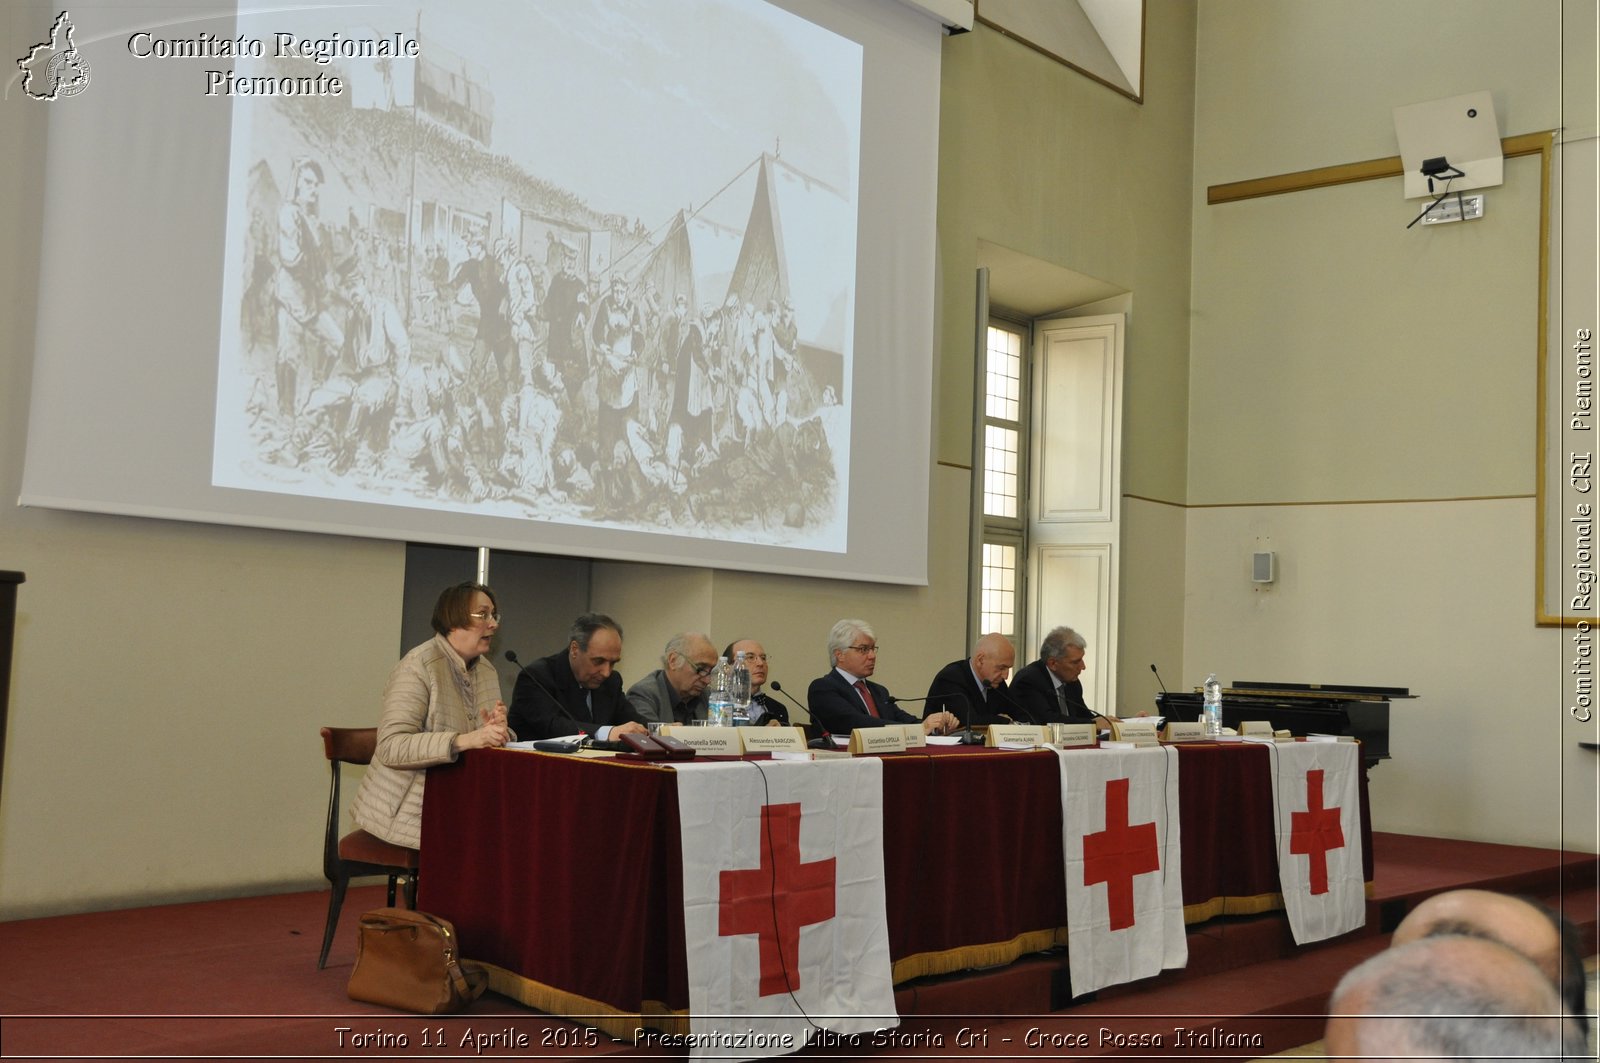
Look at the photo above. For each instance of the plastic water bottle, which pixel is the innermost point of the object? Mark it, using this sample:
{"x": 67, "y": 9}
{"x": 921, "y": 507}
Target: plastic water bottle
{"x": 1212, "y": 714}
{"x": 719, "y": 696}
{"x": 739, "y": 687}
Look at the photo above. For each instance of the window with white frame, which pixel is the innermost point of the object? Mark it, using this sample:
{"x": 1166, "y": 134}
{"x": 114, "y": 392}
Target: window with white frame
{"x": 1003, "y": 424}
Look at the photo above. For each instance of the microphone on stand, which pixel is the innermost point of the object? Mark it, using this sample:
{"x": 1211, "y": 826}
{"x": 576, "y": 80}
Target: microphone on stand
{"x": 824, "y": 742}
{"x": 1005, "y": 693}
{"x": 523, "y": 671}
{"x": 1161, "y": 699}
{"x": 773, "y": 684}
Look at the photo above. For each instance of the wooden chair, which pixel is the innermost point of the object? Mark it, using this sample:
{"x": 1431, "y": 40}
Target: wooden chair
{"x": 357, "y": 854}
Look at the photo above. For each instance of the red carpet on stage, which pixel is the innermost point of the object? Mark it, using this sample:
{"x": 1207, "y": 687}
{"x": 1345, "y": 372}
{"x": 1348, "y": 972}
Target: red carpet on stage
{"x": 238, "y": 979}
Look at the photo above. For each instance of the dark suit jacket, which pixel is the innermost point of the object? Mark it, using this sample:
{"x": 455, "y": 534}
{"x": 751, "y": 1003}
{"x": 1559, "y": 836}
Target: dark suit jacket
{"x": 547, "y": 701}
{"x": 771, "y": 709}
{"x": 835, "y": 705}
{"x": 956, "y": 691}
{"x": 1033, "y": 688}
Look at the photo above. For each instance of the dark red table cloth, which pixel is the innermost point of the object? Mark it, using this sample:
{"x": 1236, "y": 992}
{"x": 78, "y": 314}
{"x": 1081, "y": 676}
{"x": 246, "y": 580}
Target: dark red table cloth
{"x": 568, "y": 871}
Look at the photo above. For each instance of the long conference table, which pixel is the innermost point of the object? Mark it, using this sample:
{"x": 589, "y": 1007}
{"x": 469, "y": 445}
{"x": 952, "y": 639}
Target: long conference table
{"x": 565, "y": 873}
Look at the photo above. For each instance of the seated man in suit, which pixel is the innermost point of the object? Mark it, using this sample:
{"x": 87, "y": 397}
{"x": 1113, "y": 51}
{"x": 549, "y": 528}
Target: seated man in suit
{"x": 843, "y": 700}
{"x": 765, "y": 711}
{"x": 974, "y": 690}
{"x": 578, "y": 689}
{"x": 1049, "y": 688}
{"x": 676, "y": 692}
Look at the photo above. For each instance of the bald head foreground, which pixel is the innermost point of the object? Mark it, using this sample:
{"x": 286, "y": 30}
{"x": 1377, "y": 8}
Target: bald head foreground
{"x": 1518, "y": 924}
{"x": 1449, "y": 997}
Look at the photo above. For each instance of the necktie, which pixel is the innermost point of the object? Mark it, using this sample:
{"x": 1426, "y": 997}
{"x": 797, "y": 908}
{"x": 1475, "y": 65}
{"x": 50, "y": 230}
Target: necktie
{"x": 1061, "y": 697}
{"x": 866, "y": 696}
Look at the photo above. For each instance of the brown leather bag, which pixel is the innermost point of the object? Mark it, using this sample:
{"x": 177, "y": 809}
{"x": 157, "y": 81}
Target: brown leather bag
{"x": 407, "y": 960}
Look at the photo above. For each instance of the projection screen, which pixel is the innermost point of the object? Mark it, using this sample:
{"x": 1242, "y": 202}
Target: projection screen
{"x": 628, "y": 279}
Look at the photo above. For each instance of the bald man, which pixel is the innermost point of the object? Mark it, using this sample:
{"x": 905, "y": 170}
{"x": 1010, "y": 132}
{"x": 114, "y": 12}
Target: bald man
{"x": 1447, "y": 997}
{"x": 974, "y": 690}
{"x": 1519, "y": 924}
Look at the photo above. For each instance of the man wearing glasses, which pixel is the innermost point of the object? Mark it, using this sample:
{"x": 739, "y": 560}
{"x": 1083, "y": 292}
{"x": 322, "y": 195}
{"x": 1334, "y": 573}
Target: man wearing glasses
{"x": 765, "y": 711}
{"x": 577, "y": 690}
{"x": 676, "y": 692}
{"x": 843, "y": 700}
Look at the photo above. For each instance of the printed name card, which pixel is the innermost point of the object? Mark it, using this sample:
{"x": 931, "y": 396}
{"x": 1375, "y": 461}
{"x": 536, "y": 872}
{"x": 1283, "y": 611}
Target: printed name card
{"x": 1192, "y": 731}
{"x": 772, "y": 739}
{"x": 1140, "y": 730}
{"x": 878, "y": 740}
{"x": 916, "y": 737}
{"x": 1067, "y": 735}
{"x": 1015, "y": 734}
{"x": 707, "y": 741}
{"x": 1255, "y": 727}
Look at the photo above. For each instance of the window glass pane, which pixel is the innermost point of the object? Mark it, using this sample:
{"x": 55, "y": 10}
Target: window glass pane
{"x": 998, "y": 595}
{"x": 1000, "y": 469}
{"x": 1003, "y": 376}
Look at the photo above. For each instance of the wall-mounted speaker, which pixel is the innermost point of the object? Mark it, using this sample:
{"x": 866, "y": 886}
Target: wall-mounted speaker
{"x": 1263, "y": 567}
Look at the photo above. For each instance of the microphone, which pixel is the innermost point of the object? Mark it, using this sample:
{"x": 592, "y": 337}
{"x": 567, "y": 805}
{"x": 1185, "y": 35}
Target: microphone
{"x": 1158, "y": 679}
{"x": 773, "y": 684}
{"x": 825, "y": 740}
{"x": 1005, "y": 693}
{"x": 523, "y": 670}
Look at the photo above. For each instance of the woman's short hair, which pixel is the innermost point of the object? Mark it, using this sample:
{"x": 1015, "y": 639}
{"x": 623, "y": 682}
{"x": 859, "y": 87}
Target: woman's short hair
{"x": 454, "y": 608}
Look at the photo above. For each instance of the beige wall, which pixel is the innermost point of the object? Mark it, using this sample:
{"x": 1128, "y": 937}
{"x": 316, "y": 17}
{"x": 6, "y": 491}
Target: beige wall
{"x": 1047, "y": 163}
{"x": 1363, "y": 402}
{"x": 169, "y": 677}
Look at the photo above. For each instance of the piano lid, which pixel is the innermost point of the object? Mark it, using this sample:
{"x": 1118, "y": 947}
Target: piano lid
{"x": 1333, "y": 691}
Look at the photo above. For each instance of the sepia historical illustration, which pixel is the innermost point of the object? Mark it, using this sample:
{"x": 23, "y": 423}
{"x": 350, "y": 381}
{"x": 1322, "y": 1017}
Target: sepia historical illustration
{"x": 506, "y": 277}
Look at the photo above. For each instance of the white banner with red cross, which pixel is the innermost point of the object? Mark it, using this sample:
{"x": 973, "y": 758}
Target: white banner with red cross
{"x": 784, "y": 920}
{"x": 1317, "y": 814}
{"x": 1119, "y": 816}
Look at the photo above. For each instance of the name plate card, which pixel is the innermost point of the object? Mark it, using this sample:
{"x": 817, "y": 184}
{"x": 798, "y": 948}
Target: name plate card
{"x": 878, "y": 740}
{"x": 916, "y": 737}
{"x": 1192, "y": 731}
{"x": 708, "y": 741}
{"x": 1015, "y": 734}
{"x": 1255, "y": 727}
{"x": 1140, "y": 730}
{"x": 1067, "y": 735}
{"x": 772, "y": 739}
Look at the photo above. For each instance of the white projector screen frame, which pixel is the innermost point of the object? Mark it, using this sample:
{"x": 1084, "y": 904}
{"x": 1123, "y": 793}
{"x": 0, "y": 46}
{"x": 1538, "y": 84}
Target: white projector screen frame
{"x": 156, "y": 387}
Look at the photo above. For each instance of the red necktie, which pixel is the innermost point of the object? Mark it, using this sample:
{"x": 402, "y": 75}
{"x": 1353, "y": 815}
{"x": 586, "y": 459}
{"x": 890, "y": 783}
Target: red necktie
{"x": 866, "y": 696}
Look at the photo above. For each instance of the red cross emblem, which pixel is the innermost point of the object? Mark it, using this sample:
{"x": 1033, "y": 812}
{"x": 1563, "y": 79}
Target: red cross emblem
{"x": 1315, "y": 831}
{"x": 1118, "y": 853}
{"x": 776, "y": 899}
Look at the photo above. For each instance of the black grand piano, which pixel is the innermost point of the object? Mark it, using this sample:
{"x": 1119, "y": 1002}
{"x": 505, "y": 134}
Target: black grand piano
{"x": 1302, "y": 708}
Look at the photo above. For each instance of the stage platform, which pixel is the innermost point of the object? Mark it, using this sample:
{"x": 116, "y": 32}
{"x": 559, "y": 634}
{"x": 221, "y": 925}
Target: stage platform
{"x": 238, "y": 979}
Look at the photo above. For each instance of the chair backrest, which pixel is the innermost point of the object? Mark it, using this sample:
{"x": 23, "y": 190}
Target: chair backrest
{"x": 341, "y": 745}
{"x": 352, "y": 745}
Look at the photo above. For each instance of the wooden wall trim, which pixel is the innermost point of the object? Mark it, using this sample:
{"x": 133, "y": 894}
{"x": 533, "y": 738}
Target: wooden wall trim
{"x": 1349, "y": 172}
